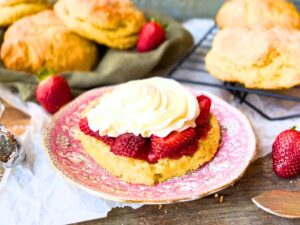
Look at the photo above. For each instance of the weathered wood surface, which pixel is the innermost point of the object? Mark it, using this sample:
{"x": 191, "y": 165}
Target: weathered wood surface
{"x": 236, "y": 209}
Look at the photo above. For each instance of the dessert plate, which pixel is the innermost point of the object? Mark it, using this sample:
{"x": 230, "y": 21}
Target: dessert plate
{"x": 236, "y": 152}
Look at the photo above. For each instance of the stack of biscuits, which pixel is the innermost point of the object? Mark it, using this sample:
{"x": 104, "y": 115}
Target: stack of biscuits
{"x": 258, "y": 44}
{"x": 65, "y": 37}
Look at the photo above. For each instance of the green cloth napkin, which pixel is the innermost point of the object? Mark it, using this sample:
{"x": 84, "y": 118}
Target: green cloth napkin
{"x": 115, "y": 66}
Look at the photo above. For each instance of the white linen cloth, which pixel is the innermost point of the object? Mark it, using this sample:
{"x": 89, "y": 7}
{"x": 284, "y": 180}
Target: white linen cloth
{"x": 34, "y": 193}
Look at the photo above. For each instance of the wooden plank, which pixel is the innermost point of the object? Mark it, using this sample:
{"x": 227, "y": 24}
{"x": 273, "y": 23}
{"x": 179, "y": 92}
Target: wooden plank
{"x": 236, "y": 208}
{"x": 14, "y": 120}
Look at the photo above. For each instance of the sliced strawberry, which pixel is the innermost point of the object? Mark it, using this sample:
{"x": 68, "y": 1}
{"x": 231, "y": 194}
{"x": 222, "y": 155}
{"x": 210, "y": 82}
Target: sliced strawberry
{"x": 202, "y": 121}
{"x": 187, "y": 151}
{"x": 152, "y": 157}
{"x": 204, "y": 104}
{"x": 84, "y": 127}
{"x": 172, "y": 144}
{"x": 202, "y": 130}
{"x": 130, "y": 145}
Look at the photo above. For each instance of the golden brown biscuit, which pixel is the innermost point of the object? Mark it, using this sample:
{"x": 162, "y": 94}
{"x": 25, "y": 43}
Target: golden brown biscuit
{"x": 252, "y": 12}
{"x": 141, "y": 172}
{"x": 13, "y": 10}
{"x": 14, "y": 2}
{"x": 115, "y": 23}
{"x": 41, "y": 40}
{"x": 259, "y": 57}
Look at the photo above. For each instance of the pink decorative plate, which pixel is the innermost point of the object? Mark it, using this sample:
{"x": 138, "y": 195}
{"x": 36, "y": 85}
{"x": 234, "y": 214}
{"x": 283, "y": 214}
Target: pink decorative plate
{"x": 236, "y": 151}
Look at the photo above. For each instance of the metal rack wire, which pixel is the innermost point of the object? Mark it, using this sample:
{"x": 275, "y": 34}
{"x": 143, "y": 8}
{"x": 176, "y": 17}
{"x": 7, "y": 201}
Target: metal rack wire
{"x": 197, "y": 55}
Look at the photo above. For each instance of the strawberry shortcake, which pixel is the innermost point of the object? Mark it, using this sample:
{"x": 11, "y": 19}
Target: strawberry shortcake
{"x": 148, "y": 131}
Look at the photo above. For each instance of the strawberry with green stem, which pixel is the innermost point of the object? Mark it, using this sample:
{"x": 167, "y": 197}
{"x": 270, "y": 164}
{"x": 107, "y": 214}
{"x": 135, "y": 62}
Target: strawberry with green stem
{"x": 52, "y": 91}
{"x": 151, "y": 36}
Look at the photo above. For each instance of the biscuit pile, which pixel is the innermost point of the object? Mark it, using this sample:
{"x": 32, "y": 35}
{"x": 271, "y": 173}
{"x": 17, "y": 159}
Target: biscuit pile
{"x": 259, "y": 45}
{"x": 63, "y": 38}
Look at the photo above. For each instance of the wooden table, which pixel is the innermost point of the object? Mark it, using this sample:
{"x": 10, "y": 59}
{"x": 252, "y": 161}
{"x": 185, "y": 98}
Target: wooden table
{"x": 236, "y": 208}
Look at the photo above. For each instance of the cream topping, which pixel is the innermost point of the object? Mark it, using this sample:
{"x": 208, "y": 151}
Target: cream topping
{"x": 154, "y": 106}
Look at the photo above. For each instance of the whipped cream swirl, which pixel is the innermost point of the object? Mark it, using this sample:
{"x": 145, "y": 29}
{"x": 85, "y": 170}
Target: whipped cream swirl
{"x": 154, "y": 106}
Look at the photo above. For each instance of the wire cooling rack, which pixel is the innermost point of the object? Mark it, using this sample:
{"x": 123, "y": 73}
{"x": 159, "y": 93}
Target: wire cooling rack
{"x": 195, "y": 61}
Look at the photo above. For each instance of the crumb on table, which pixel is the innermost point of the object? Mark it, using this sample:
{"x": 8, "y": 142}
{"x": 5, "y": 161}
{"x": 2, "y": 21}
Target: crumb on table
{"x": 221, "y": 199}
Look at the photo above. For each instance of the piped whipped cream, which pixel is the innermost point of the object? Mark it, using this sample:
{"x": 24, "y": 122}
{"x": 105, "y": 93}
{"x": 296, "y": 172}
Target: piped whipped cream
{"x": 154, "y": 106}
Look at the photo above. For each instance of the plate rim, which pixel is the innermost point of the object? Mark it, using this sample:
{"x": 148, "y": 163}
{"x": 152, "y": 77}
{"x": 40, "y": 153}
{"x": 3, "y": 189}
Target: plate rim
{"x": 47, "y": 131}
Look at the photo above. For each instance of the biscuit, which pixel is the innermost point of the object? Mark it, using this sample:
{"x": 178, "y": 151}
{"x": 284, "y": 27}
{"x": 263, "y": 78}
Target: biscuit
{"x": 141, "y": 172}
{"x": 42, "y": 40}
{"x": 114, "y": 23}
{"x": 13, "y": 10}
{"x": 253, "y": 12}
{"x": 259, "y": 57}
{"x": 13, "y": 2}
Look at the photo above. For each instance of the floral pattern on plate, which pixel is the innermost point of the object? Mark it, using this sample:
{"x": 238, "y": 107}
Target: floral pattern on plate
{"x": 236, "y": 151}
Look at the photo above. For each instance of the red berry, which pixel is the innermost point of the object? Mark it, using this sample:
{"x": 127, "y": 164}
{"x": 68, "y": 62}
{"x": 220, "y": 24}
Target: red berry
{"x": 188, "y": 151}
{"x": 152, "y": 158}
{"x": 150, "y": 37}
{"x": 172, "y": 144}
{"x": 130, "y": 145}
{"x": 84, "y": 127}
{"x": 204, "y": 104}
{"x": 202, "y": 121}
{"x": 53, "y": 93}
{"x": 202, "y": 130}
{"x": 286, "y": 154}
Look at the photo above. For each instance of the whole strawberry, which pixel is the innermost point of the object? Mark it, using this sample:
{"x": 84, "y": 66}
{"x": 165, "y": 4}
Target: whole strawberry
{"x": 52, "y": 92}
{"x": 286, "y": 154}
{"x": 151, "y": 36}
